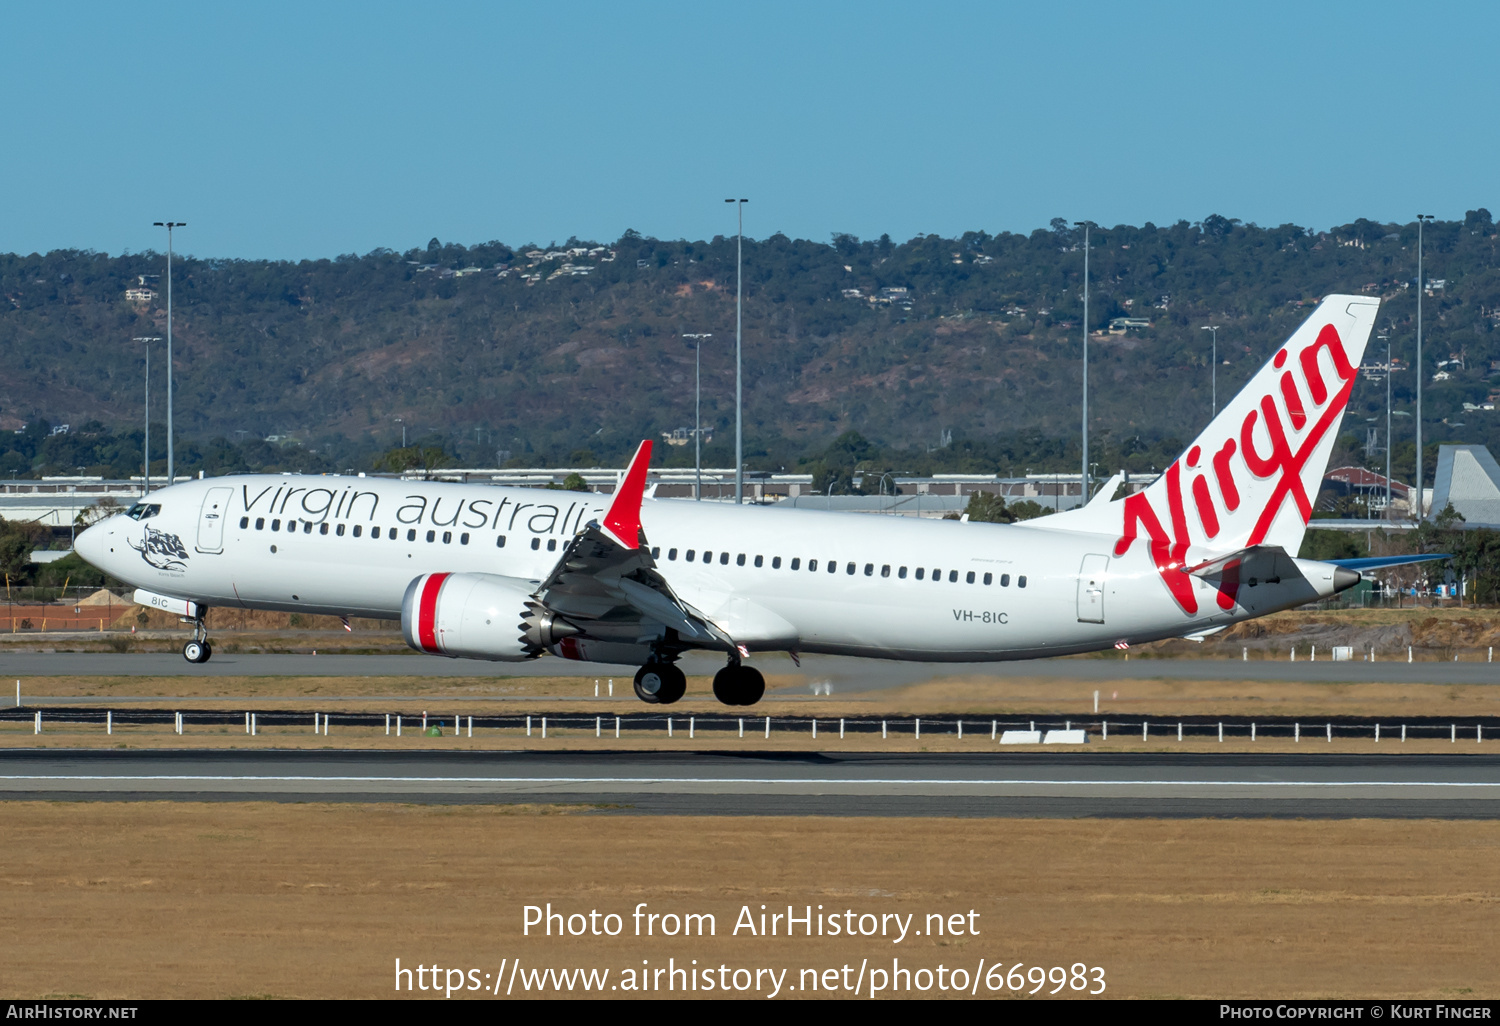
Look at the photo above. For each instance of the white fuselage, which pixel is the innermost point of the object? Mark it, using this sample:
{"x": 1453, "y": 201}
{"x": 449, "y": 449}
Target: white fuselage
{"x": 803, "y": 581}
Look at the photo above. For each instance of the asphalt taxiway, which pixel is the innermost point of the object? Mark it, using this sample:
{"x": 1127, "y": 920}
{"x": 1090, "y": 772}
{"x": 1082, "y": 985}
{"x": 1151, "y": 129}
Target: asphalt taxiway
{"x": 716, "y": 783}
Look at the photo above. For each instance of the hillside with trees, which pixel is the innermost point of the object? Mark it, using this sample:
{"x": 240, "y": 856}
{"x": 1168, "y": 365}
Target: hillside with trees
{"x": 856, "y": 351}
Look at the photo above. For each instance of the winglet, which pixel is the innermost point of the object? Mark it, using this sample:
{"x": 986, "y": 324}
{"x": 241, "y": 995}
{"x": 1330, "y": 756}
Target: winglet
{"x": 623, "y": 521}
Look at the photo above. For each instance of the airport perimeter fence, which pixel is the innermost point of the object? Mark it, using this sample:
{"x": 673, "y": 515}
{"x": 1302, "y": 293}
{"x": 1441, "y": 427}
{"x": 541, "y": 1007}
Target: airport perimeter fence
{"x": 74, "y": 608}
{"x": 539, "y": 726}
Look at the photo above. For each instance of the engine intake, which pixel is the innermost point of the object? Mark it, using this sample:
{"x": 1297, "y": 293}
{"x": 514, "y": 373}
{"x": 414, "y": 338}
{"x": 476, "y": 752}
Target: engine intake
{"x": 478, "y": 616}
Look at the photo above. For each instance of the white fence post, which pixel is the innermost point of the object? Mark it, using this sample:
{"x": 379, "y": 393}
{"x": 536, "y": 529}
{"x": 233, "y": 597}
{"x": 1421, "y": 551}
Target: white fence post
{"x": 598, "y": 721}
{"x": 960, "y": 730}
{"x": 1179, "y": 730}
{"x": 669, "y": 726}
{"x": 528, "y": 726}
{"x": 109, "y": 722}
{"x": 1105, "y": 725}
{"x": 1221, "y": 732}
{"x": 1408, "y": 653}
{"x": 768, "y": 726}
{"x": 841, "y": 728}
{"x": 387, "y": 724}
{"x": 742, "y": 726}
{"x": 617, "y": 719}
{"x": 1297, "y": 732}
{"x": 1330, "y": 733}
{"x": 471, "y": 726}
{"x": 544, "y": 728}
{"x": 919, "y": 728}
{"x": 815, "y": 728}
{"x": 398, "y": 725}
{"x": 692, "y": 726}
{"x": 1252, "y": 731}
{"x": 882, "y": 730}
{"x": 1144, "y": 725}
{"x": 37, "y": 725}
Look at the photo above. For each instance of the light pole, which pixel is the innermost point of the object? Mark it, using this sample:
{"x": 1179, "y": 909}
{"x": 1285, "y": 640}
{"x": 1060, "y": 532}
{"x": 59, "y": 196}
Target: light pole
{"x": 146, "y": 445}
{"x": 1387, "y": 340}
{"x": 403, "y": 431}
{"x": 739, "y": 395}
{"x": 169, "y": 225}
{"x": 1421, "y": 284}
{"x": 697, "y": 413}
{"x": 1085, "y": 225}
{"x": 1214, "y": 329}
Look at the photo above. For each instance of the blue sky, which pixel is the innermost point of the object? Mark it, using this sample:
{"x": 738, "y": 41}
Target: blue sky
{"x": 312, "y": 129}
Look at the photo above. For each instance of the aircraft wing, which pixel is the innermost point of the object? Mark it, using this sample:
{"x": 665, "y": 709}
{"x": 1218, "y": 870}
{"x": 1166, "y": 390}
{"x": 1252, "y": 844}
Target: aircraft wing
{"x": 606, "y": 584}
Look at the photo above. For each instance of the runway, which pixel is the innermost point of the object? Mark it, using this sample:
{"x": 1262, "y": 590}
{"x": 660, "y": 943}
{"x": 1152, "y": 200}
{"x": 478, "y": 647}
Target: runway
{"x": 842, "y": 673}
{"x": 978, "y": 785}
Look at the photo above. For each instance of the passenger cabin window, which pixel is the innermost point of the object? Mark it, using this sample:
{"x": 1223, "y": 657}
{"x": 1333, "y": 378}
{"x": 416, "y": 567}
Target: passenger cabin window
{"x": 463, "y": 539}
{"x": 275, "y": 525}
{"x": 656, "y": 552}
{"x": 901, "y": 573}
{"x": 536, "y": 543}
{"x": 775, "y": 562}
{"x": 431, "y": 535}
{"x": 357, "y": 529}
{"x": 969, "y": 578}
{"x": 885, "y": 571}
{"x": 672, "y": 554}
{"x": 307, "y": 527}
{"x": 869, "y": 569}
{"x": 374, "y": 532}
{"x": 849, "y": 569}
{"x": 244, "y": 522}
{"x": 447, "y": 537}
{"x": 739, "y": 560}
{"x": 323, "y": 528}
{"x": 708, "y": 557}
{"x": 1005, "y": 580}
{"x": 143, "y": 510}
{"x": 339, "y": 530}
{"x": 691, "y": 553}
{"x": 760, "y": 560}
{"x": 953, "y": 577}
{"x": 723, "y": 559}
{"x": 1021, "y": 581}
{"x": 921, "y": 572}
{"x": 260, "y": 523}
{"x": 796, "y": 563}
{"x": 500, "y": 541}
{"x": 812, "y": 565}
{"x": 411, "y": 534}
{"x": 989, "y": 578}
{"x": 551, "y": 544}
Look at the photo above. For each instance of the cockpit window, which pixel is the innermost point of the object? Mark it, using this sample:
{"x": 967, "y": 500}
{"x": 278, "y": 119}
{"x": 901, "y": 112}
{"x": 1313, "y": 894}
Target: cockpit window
{"x": 143, "y": 511}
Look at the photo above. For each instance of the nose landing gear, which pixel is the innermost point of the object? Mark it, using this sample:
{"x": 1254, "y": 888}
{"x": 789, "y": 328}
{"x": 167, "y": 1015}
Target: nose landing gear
{"x": 660, "y": 683}
{"x": 198, "y": 650}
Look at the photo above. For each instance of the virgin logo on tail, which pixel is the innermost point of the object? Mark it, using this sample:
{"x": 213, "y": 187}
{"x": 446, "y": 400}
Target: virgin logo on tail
{"x": 1250, "y": 477}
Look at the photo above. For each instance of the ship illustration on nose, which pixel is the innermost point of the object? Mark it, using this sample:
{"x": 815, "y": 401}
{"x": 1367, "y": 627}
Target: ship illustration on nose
{"x": 162, "y": 550}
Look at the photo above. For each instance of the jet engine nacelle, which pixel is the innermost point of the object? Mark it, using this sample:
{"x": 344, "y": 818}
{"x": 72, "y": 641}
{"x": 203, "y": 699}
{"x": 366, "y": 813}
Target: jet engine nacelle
{"x": 478, "y": 616}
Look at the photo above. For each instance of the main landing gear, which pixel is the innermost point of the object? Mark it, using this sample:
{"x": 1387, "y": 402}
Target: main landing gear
{"x": 198, "y": 650}
{"x": 660, "y": 683}
{"x": 738, "y": 684}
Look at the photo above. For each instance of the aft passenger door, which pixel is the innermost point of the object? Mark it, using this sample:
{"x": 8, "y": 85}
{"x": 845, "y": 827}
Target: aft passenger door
{"x": 1091, "y": 588}
{"x": 211, "y": 520}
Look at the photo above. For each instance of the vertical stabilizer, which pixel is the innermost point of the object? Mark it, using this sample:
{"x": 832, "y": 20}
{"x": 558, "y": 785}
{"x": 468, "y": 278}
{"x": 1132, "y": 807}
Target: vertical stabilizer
{"x": 1253, "y": 474}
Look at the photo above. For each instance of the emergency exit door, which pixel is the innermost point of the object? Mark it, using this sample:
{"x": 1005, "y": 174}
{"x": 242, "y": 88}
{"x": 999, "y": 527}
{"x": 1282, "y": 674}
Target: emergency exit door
{"x": 1091, "y": 588}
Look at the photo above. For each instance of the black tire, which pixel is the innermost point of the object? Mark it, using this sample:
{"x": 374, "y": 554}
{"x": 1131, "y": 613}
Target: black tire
{"x": 193, "y": 652}
{"x": 752, "y": 685}
{"x": 725, "y": 689}
{"x": 739, "y": 685}
{"x": 208, "y": 651}
{"x": 650, "y": 681}
{"x": 674, "y": 684}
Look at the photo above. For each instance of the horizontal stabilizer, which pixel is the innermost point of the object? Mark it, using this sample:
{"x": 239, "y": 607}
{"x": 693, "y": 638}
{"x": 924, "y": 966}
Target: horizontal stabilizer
{"x": 1381, "y": 562}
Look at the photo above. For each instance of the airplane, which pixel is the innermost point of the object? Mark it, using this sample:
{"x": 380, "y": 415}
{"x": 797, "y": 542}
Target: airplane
{"x": 484, "y": 572}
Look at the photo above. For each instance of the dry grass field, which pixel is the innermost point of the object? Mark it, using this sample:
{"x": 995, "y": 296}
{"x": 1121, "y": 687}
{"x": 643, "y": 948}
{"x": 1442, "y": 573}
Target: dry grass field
{"x": 215, "y": 900}
{"x": 1125, "y": 703}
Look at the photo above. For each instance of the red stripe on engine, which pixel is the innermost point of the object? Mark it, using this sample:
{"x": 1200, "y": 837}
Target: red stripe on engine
{"x": 427, "y": 612}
